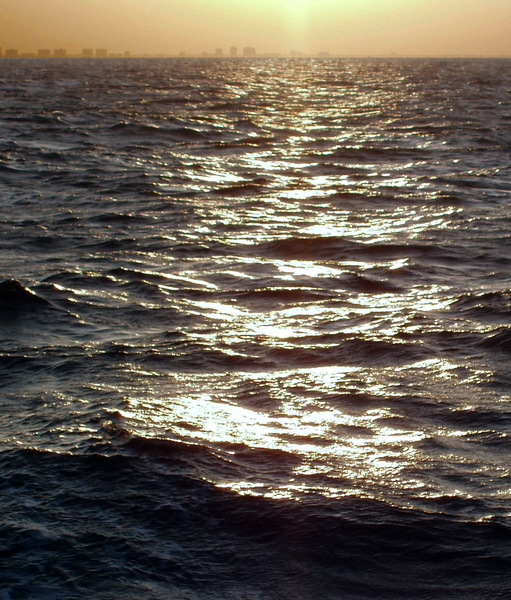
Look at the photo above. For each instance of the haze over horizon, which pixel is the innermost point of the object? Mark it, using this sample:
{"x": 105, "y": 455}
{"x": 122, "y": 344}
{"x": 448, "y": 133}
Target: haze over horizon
{"x": 349, "y": 27}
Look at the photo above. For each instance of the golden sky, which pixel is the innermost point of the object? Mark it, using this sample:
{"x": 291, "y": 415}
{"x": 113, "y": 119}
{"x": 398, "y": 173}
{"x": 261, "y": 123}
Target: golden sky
{"x": 345, "y": 27}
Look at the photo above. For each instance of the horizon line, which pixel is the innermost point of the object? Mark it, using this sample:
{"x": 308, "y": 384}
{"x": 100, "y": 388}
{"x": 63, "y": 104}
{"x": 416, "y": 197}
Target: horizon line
{"x": 266, "y": 55}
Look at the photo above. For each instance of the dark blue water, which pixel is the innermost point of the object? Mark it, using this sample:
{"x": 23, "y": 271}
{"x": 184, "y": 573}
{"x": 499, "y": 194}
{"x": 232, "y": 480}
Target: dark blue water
{"x": 255, "y": 329}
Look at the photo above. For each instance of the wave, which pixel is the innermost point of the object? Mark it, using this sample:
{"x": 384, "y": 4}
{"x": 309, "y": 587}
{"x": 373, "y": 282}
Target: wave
{"x": 244, "y": 142}
{"x": 484, "y": 305}
{"x": 370, "y": 285}
{"x": 499, "y": 339}
{"x": 480, "y": 418}
{"x": 336, "y": 248}
{"x": 144, "y": 512}
{"x": 117, "y": 218}
{"x": 240, "y": 190}
{"x": 288, "y": 295}
{"x": 380, "y": 153}
{"x": 29, "y": 321}
{"x": 221, "y": 459}
{"x": 7, "y": 169}
{"x": 295, "y": 353}
{"x": 13, "y": 296}
{"x": 149, "y": 132}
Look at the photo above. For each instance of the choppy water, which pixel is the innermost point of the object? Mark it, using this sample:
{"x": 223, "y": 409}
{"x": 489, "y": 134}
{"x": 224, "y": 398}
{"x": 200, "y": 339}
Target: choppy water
{"x": 255, "y": 329}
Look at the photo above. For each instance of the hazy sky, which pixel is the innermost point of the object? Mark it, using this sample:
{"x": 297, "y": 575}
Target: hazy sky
{"x": 348, "y": 27}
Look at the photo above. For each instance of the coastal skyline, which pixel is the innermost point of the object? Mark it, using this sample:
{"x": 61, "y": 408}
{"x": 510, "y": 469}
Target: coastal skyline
{"x": 171, "y": 27}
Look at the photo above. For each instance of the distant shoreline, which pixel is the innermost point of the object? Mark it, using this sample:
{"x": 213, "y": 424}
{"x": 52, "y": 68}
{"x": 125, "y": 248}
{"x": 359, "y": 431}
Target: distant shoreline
{"x": 258, "y": 57}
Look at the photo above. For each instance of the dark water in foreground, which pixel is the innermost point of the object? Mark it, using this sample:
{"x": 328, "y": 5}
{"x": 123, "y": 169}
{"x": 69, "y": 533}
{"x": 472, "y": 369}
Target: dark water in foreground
{"x": 255, "y": 330}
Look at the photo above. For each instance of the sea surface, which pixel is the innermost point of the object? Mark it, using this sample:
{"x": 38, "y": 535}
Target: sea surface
{"x": 255, "y": 329}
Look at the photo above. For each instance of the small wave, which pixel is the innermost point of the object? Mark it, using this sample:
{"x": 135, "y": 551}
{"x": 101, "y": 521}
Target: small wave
{"x": 288, "y": 295}
{"x": 354, "y": 402}
{"x": 166, "y": 448}
{"x": 349, "y": 351}
{"x": 125, "y": 273}
{"x": 499, "y": 339}
{"x": 336, "y": 248}
{"x": 150, "y": 131}
{"x": 143, "y": 289}
{"x": 79, "y": 279}
{"x": 240, "y": 190}
{"x": 114, "y": 244}
{"x": 212, "y": 247}
{"x": 457, "y": 342}
{"x": 14, "y": 364}
{"x": 221, "y": 459}
{"x": 487, "y": 305}
{"x": 256, "y": 141}
{"x": 256, "y": 396}
{"x": 476, "y": 299}
{"x": 14, "y": 296}
{"x": 185, "y": 355}
{"x": 188, "y": 357}
{"x": 334, "y": 82}
{"x": 380, "y": 153}
{"x": 117, "y": 218}
{"x": 119, "y": 244}
{"x": 169, "y": 100}
{"x": 369, "y": 285}
{"x": 477, "y": 418}
{"x": 10, "y": 170}
{"x": 308, "y": 248}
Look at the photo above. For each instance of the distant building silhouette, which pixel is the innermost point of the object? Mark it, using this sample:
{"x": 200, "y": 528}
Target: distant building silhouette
{"x": 233, "y": 51}
{"x": 87, "y": 52}
{"x": 11, "y": 53}
{"x": 249, "y": 52}
{"x": 219, "y": 52}
{"x": 126, "y": 53}
{"x": 60, "y": 52}
{"x": 101, "y": 52}
{"x": 44, "y": 53}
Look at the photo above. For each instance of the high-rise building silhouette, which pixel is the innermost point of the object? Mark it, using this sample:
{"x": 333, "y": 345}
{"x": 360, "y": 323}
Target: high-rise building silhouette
{"x": 219, "y": 52}
{"x": 60, "y": 52}
{"x": 249, "y": 51}
{"x": 87, "y": 52}
{"x": 101, "y": 52}
{"x": 11, "y": 53}
{"x": 44, "y": 53}
{"x": 233, "y": 51}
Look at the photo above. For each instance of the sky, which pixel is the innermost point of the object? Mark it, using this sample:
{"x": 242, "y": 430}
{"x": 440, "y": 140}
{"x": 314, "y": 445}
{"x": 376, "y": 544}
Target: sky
{"x": 344, "y": 27}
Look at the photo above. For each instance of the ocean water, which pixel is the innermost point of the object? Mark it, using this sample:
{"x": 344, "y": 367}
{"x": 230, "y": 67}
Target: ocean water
{"x": 255, "y": 329}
